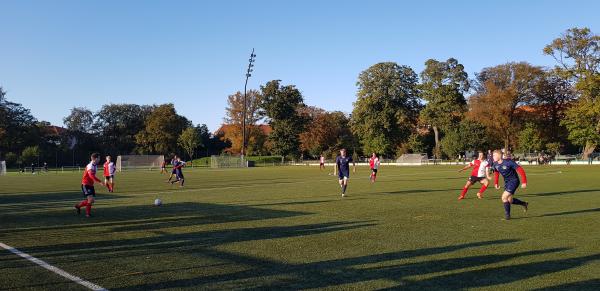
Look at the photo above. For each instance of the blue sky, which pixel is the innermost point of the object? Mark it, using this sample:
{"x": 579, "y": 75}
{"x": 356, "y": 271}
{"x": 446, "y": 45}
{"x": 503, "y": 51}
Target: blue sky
{"x": 55, "y": 55}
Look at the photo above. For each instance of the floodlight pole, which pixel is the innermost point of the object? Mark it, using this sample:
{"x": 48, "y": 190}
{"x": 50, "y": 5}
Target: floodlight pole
{"x": 244, "y": 113}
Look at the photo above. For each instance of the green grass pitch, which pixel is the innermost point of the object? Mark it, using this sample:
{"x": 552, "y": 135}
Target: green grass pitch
{"x": 288, "y": 228}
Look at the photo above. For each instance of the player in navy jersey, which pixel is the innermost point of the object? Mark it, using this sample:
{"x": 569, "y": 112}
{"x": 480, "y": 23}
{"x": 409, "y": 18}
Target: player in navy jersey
{"x": 342, "y": 163}
{"x": 510, "y": 171}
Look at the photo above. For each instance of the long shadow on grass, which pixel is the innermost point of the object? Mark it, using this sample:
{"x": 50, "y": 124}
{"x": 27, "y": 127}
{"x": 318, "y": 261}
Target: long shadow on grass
{"x": 335, "y": 272}
{"x": 188, "y": 243}
{"x": 570, "y": 212}
{"x": 593, "y": 284}
{"x": 141, "y": 217}
{"x": 500, "y": 275}
{"x": 416, "y": 191}
{"x": 560, "y": 192}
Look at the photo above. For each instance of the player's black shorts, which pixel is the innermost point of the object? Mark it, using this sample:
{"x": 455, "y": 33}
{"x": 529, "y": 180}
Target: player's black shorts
{"x": 322, "y": 164}
{"x": 109, "y": 177}
{"x": 174, "y": 171}
{"x": 511, "y": 186}
{"x": 179, "y": 175}
{"x": 88, "y": 190}
{"x": 475, "y": 179}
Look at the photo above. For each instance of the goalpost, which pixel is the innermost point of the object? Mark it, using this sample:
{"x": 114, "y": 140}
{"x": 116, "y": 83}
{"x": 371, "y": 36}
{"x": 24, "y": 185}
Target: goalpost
{"x": 2, "y": 168}
{"x": 132, "y": 162}
{"x": 226, "y": 161}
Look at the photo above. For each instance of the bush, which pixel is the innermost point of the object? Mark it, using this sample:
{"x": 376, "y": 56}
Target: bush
{"x": 11, "y": 159}
{"x": 30, "y": 154}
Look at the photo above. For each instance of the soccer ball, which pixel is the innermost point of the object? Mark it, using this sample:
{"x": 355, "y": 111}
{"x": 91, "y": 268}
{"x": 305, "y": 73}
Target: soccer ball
{"x": 157, "y": 202}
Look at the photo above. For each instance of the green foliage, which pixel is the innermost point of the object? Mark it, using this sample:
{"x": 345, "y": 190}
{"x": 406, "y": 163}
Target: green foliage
{"x": 189, "y": 141}
{"x": 117, "y": 125}
{"x": 529, "y": 138}
{"x": 80, "y": 120}
{"x": 416, "y": 144}
{"x": 17, "y": 126}
{"x": 161, "y": 131}
{"x": 553, "y": 148}
{"x": 469, "y": 135}
{"x": 30, "y": 154}
{"x": 443, "y": 85}
{"x": 583, "y": 122}
{"x": 281, "y": 105}
{"x": 386, "y": 109}
{"x": 11, "y": 159}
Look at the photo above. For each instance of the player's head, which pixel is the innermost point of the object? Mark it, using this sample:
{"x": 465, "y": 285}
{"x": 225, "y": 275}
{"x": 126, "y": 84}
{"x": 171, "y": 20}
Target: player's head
{"x": 481, "y": 155}
{"x": 179, "y": 159}
{"x": 94, "y": 157}
{"x": 374, "y": 155}
{"x": 108, "y": 158}
{"x": 343, "y": 152}
{"x": 497, "y": 155}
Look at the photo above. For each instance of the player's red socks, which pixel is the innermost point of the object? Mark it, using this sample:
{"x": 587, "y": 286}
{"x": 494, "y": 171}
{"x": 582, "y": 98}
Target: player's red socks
{"x": 483, "y": 188}
{"x": 88, "y": 209}
{"x": 463, "y": 193}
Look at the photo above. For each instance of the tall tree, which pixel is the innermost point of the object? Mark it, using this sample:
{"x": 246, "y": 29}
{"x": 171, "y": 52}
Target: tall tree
{"x": 500, "y": 91}
{"x": 443, "y": 85}
{"x": 553, "y": 96}
{"x": 529, "y": 138}
{"x": 234, "y": 113}
{"x": 326, "y": 132}
{"x": 79, "y": 120}
{"x": 161, "y": 131}
{"x": 17, "y": 126}
{"x": 118, "y": 124}
{"x": 386, "y": 108}
{"x": 189, "y": 141}
{"x": 281, "y": 106}
{"x": 577, "y": 53}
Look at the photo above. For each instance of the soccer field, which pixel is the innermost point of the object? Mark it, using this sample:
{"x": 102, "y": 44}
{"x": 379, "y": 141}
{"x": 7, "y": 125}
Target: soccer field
{"x": 288, "y": 228}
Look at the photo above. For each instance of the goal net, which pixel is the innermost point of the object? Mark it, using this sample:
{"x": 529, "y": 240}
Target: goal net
{"x": 412, "y": 159}
{"x": 2, "y": 168}
{"x": 226, "y": 161}
{"x": 132, "y": 162}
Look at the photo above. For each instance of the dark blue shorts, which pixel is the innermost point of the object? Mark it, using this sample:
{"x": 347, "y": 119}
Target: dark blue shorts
{"x": 179, "y": 174}
{"x": 174, "y": 172}
{"x": 511, "y": 186}
{"x": 88, "y": 190}
{"x": 342, "y": 175}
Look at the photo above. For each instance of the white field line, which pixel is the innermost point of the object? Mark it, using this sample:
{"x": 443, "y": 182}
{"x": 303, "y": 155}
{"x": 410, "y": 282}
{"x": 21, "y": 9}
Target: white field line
{"x": 54, "y": 269}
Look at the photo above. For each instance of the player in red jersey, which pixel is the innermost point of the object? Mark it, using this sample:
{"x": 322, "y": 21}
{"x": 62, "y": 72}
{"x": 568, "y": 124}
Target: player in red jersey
{"x": 87, "y": 186}
{"x": 478, "y": 174}
{"x": 109, "y": 174}
{"x": 374, "y": 164}
{"x": 322, "y": 162}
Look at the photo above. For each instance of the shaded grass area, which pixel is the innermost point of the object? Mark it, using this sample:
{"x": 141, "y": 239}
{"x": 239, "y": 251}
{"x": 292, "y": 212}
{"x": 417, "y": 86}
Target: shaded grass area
{"x": 288, "y": 228}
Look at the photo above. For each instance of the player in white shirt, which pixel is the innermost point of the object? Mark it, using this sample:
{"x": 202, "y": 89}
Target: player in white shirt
{"x": 374, "y": 164}
{"x": 478, "y": 174}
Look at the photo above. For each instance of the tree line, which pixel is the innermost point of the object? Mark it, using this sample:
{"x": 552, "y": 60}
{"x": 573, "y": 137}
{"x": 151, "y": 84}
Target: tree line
{"x": 441, "y": 111}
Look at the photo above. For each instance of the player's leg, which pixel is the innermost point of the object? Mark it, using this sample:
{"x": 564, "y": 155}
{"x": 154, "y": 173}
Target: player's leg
{"x": 344, "y": 185}
{"x": 463, "y": 193}
{"x": 506, "y": 201}
{"x": 90, "y": 202}
{"x": 112, "y": 183}
{"x": 484, "y": 184}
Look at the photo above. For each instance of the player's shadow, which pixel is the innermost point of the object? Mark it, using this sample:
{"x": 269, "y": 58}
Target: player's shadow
{"x": 555, "y": 193}
{"x": 569, "y": 212}
{"x": 415, "y": 191}
{"x": 141, "y": 217}
{"x": 270, "y": 274}
{"x": 198, "y": 242}
{"x": 593, "y": 284}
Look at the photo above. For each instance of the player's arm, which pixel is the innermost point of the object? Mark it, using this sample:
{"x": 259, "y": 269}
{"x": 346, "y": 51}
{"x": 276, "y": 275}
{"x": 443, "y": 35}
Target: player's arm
{"x": 523, "y": 176}
{"x": 466, "y": 167}
{"x": 92, "y": 175}
{"x": 496, "y": 178}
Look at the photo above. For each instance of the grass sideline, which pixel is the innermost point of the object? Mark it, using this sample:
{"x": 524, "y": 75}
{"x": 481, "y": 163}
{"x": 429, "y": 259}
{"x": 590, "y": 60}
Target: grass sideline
{"x": 288, "y": 228}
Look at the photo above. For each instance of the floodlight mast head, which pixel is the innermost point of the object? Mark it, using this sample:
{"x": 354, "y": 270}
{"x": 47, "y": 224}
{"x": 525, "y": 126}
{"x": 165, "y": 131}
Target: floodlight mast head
{"x": 248, "y": 75}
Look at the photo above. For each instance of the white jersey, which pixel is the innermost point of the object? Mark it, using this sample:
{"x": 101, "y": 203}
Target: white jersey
{"x": 322, "y": 160}
{"x": 483, "y": 165}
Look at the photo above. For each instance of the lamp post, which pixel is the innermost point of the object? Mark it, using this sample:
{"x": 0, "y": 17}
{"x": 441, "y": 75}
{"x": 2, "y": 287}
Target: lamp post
{"x": 244, "y": 113}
